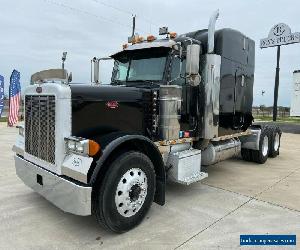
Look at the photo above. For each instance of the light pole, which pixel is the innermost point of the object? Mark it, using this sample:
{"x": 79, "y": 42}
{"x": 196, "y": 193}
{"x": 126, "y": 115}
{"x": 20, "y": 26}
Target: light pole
{"x": 276, "y": 85}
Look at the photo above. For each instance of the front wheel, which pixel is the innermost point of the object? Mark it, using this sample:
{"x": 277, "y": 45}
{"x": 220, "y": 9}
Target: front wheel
{"x": 124, "y": 196}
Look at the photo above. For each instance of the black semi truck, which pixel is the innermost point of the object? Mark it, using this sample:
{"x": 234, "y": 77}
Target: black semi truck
{"x": 174, "y": 104}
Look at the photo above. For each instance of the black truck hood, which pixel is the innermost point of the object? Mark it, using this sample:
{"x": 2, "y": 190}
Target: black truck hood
{"x": 100, "y": 110}
{"x": 105, "y": 92}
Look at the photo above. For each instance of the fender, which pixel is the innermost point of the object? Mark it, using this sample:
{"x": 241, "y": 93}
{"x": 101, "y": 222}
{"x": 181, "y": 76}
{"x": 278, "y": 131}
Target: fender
{"x": 113, "y": 142}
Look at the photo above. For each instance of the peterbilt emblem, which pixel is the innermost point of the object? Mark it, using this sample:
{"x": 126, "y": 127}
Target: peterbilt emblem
{"x": 112, "y": 104}
{"x": 39, "y": 90}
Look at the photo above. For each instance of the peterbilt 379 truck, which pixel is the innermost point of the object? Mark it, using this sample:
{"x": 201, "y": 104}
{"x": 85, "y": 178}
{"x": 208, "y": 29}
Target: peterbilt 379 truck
{"x": 174, "y": 104}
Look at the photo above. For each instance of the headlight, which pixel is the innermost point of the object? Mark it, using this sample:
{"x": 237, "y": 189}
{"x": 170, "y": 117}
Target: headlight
{"x": 82, "y": 146}
{"x": 77, "y": 145}
{"x": 71, "y": 145}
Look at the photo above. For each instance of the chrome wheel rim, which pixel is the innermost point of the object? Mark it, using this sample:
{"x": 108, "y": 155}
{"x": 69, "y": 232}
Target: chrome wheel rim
{"x": 265, "y": 146}
{"x": 276, "y": 142}
{"x": 131, "y": 192}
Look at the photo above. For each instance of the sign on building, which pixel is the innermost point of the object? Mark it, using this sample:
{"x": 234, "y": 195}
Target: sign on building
{"x": 295, "y": 102}
{"x": 280, "y": 34}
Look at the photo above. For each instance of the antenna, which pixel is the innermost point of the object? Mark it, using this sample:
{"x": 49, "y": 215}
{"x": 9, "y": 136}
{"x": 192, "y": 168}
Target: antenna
{"x": 133, "y": 25}
{"x": 130, "y": 39}
{"x": 64, "y": 57}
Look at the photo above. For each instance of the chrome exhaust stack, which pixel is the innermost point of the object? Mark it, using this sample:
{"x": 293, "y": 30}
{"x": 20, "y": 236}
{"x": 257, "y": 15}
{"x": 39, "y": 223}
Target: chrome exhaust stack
{"x": 211, "y": 32}
{"x": 210, "y": 76}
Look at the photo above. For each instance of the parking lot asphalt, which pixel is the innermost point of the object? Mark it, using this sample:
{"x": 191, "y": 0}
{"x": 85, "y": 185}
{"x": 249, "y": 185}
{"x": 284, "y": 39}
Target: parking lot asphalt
{"x": 237, "y": 198}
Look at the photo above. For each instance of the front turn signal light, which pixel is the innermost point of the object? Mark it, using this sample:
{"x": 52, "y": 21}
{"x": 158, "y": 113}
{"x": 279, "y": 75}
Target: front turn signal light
{"x": 94, "y": 148}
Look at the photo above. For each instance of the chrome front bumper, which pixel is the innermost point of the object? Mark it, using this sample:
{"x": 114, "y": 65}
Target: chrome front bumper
{"x": 67, "y": 195}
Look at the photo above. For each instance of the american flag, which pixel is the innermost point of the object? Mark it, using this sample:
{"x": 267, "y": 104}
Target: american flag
{"x": 1, "y": 94}
{"x": 14, "y": 98}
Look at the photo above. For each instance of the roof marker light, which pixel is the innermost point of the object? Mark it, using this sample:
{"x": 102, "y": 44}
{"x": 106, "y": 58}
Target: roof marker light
{"x": 173, "y": 35}
{"x": 151, "y": 38}
{"x": 140, "y": 39}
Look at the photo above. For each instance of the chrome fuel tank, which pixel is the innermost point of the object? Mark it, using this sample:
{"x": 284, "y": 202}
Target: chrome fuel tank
{"x": 219, "y": 151}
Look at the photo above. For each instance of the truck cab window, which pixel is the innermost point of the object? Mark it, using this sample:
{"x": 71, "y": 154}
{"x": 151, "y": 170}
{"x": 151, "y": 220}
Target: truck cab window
{"x": 147, "y": 69}
{"x": 140, "y": 66}
{"x": 121, "y": 71}
{"x": 177, "y": 77}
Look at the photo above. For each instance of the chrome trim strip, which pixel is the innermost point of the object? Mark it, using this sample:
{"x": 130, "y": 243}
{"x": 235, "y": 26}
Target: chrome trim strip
{"x": 236, "y": 135}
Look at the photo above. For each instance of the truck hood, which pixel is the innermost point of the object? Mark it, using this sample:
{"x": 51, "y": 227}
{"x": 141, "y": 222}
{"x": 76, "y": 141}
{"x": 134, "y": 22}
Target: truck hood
{"x": 104, "y": 109}
{"x": 105, "y": 92}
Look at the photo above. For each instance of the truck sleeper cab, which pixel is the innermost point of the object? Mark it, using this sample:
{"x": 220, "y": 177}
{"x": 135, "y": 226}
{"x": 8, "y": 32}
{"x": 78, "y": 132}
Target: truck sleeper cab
{"x": 173, "y": 105}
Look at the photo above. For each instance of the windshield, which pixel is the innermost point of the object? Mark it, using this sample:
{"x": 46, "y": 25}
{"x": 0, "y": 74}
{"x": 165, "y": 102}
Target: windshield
{"x": 140, "y": 66}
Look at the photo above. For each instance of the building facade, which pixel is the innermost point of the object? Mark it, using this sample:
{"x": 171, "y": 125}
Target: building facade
{"x": 295, "y": 102}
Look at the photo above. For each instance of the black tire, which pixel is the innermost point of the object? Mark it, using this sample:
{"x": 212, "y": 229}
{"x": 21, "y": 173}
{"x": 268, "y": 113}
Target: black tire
{"x": 246, "y": 154}
{"x": 260, "y": 156}
{"x": 104, "y": 194}
{"x": 274, "y": 145}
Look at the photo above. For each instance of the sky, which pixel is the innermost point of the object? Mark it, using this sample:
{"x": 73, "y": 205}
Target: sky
{"x": 34, "y": 33}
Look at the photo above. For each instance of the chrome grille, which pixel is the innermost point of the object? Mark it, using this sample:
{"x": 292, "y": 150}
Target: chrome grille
{"x": 40, "y": 126}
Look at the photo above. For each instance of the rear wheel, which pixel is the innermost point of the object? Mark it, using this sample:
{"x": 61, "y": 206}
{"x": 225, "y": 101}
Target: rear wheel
{"x": 246, "y": 154}
{"x": 275, "y": 135}
{"x": 122, "y": 199}
{"x": 261, "y": 155}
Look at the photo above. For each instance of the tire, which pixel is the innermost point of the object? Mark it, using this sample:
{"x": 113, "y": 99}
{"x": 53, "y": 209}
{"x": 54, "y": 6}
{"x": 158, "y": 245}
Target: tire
{"x": 122, "y": 199}
{"x": 246, "y": 154}
{"x": 274, "y": 145}
{"x": 260, "y": 156}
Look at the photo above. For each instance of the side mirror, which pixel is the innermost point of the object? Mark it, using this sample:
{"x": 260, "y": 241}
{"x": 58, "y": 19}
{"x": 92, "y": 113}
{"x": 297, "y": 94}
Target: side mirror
{"x": 95, "y": 67}
{"x": 192, "y": 59}
{"x": 95, "y": 61}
